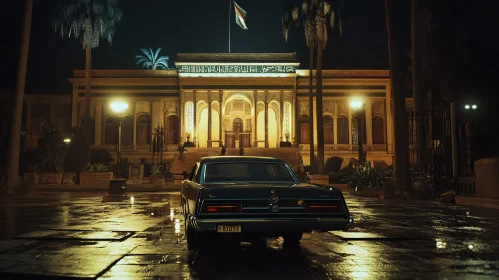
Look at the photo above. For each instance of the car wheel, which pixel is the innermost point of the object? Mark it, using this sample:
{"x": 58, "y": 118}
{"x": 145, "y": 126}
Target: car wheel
{"x": 192, "y": 237}
{"x": 292, "y": 239}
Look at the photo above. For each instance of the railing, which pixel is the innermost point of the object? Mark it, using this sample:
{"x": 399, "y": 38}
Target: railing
{"x": 465, "y": 186}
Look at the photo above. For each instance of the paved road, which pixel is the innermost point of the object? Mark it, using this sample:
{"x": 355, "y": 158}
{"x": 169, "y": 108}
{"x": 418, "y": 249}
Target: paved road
{"x": 85, "y": 235}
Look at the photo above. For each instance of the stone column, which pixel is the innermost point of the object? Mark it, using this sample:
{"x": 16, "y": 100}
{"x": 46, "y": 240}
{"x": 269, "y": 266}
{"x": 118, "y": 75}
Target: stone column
{"x": 296, "y": 119}
{"x": 181, "y": 117}
{"x": 266, "y": 120}
{"x": 335, "y": 124}
{"x": 209, "y": 119}
{"x": 98, "y": 124}
{"x": 281, "y": 117}
{"x": 255, "y": 118}
{"x": 389, "y": 119}
{"x": 74, "y": 107}
{"x": 350, "y": 140}
{"x": 220, "y": 117}
{"x": 29, "y": 142}
{"x": 194, "y": 113}
{"x": 369, "y": 124}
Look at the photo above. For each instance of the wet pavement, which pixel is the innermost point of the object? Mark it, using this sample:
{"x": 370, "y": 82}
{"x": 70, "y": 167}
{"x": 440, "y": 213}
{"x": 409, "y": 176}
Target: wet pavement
{"x": 84, "y": 235}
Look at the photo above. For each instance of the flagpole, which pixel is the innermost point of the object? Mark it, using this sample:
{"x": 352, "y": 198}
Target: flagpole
{"x": 230, "y": 9}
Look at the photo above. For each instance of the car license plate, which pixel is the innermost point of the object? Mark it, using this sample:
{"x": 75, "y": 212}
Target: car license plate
{"x": 228, "y": 228}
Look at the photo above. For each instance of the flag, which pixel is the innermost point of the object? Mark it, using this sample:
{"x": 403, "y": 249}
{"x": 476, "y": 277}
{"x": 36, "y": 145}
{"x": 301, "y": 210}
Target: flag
{"x": 240, "y": 16}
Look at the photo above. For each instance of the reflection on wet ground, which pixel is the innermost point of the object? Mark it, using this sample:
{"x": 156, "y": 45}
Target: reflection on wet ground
{"x": 141, "y": 237}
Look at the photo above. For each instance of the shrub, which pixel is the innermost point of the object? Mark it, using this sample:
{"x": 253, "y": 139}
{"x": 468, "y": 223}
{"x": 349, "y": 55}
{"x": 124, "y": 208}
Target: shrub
{"x": 365, "y": 176}
{"x": 52, "y": 149}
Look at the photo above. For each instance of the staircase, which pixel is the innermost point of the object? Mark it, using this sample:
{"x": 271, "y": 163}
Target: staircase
{"x": 289, "y": 155}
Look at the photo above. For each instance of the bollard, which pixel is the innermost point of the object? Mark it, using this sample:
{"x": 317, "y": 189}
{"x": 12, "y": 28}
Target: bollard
{"x": 117, "y": 187}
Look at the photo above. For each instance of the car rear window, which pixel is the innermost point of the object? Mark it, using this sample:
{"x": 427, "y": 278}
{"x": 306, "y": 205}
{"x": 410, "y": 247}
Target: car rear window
{"x": 247, "y": 172}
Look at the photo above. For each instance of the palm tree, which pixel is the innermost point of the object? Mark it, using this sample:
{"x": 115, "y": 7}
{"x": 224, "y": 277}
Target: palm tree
{"x": 88, "y": 21}
{"x": 315, "y": 17}
{"x": 15, "y": 134}
{"x": 396, "y": 55}
{"x": 151, "y": 60}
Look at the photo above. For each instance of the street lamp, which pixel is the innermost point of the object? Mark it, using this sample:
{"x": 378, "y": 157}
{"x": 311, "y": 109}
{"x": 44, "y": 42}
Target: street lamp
{"x": 472, "y": 106}
{"x": 119, "y": 107}
{"x": 358, "y": 106}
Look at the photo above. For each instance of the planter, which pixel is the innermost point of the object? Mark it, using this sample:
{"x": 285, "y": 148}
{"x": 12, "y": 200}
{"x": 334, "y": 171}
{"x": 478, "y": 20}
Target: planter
{"x": 51, "y": 178}
{"x": 319, "y": 179}
{"x": 31, "y": 178}
{"x": 157, "y": 180}
{"x": 366, "y": 192}
{"x": 69, "y": 178}
{"x": 96, "y": 178}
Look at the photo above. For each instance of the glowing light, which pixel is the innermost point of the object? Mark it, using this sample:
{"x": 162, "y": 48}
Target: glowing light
{"x": 467, "y": 213}
{"x": 473, "y": 107}
{"x": 466, "y": 106}
{"x": 132, "y": 200}
{"x": 152, "y": 214}
{"x": 119, "y": 106}
{"x": 67, "y": 140}
{"x": 177, "y": 226}
{"x": 470, "y": 246}
{"x": 356, "y": 104}
{"x": 441, "y": 244}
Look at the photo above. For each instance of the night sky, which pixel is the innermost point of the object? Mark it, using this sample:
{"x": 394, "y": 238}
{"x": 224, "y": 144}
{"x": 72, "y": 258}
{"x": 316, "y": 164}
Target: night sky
{"x": 188, "y": 26}
{"x": 202, "y": 26}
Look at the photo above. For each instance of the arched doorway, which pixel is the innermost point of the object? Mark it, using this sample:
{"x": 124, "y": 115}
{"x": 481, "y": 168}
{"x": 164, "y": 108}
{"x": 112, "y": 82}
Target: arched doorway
{"x": 202, "y": 130}
{"x": 378, "y": 130}
{"x": 328, "y": 129}
{"x": 143, "y": 135}
{"x": 304, "y": 130}
{"x": 237, "y": 128}
{"x": 171, "y": 130}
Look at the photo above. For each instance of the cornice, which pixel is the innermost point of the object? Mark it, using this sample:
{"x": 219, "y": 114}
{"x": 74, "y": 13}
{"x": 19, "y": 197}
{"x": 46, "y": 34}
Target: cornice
{"x": 127, "y": 81}
{"x": 127, "y": 73}
{"x": 239, "y": 81}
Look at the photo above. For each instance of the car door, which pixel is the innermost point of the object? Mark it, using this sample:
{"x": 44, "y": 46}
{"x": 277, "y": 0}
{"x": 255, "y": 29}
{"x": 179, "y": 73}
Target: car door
{"x": 190, "y": 191}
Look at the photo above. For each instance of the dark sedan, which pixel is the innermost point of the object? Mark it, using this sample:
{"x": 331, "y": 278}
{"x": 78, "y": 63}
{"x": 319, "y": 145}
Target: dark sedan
{"x": 248, "y": 198}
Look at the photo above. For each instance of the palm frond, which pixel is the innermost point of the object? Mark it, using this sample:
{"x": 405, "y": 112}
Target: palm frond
{"x": 152, "y": 60}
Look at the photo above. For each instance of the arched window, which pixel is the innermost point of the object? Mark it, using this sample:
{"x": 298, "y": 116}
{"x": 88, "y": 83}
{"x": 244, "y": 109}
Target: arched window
{"x": 355, "y": 131}
{"x": 126, "y": 132}
{"x": 378, "y": 130}
{"x": 328, "y": 129}
{"x": 111, "y": 131}
{"x": 171, "y": 130}
{"x": 342, "y": 130}
{"x": 305, "y": 129}
{"x": 143, "y": 134}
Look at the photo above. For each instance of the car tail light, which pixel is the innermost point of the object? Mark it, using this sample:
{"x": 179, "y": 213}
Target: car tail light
{"x": 223, "y": 208}
{"x": 323, "y": 208}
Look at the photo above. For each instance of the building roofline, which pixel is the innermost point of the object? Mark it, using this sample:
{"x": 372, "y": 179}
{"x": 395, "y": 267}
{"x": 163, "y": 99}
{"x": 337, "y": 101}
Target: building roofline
{"x": 236, "y": 57}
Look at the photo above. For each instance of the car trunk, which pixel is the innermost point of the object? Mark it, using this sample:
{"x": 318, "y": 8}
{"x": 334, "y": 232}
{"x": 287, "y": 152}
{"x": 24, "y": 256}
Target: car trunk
{"x": 270, "y": 201}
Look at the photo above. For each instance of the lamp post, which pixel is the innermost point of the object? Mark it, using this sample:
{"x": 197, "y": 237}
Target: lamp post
{"x": 119, "y": 107}
{"x": 358, "y": 106}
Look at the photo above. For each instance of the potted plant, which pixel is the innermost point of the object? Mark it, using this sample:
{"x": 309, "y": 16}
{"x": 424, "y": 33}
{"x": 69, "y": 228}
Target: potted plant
{"x": 52, "y": 151}
{"x": 95, "y": 175}
{"x": 156, "y": 178}
{"x": 31, "y": 175}
{"x": 365, "y": 180}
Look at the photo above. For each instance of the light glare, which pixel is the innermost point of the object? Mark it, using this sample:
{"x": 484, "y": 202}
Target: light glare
{"x": 119, "y": 106}
{"x": 67, "y": 140}
{"x": 466, "y": 106}
{"x": 356, "y": 104}
{"x": 473, "y": 107}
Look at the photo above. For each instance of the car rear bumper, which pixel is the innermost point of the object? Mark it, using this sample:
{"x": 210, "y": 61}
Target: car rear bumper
{"x": 275, "y": 226}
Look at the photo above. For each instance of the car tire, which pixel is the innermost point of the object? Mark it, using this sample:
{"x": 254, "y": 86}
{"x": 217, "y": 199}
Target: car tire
{"x": 292, "y": 239}
{"x": 192, "y": 237}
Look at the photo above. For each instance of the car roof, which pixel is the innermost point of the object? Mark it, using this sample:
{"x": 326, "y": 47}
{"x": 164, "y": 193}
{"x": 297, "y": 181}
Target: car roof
{"x": 225, "y": 159}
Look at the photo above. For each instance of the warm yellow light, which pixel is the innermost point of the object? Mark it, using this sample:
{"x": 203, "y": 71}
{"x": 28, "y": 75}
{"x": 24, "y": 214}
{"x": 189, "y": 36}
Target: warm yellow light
{"x": 119, "y": 106}
{"x": 356, "y": 104}
{"x": 67, "y": 140}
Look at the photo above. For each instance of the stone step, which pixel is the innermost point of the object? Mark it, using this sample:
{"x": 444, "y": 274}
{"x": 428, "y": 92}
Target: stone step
{"x": 289, "y": 155}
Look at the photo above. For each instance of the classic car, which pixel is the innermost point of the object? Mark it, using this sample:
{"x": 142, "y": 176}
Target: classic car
{"x": 248, "y": 198}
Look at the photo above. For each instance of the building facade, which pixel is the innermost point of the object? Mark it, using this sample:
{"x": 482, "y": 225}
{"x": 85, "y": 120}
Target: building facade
{"x": 236, "y": 100}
